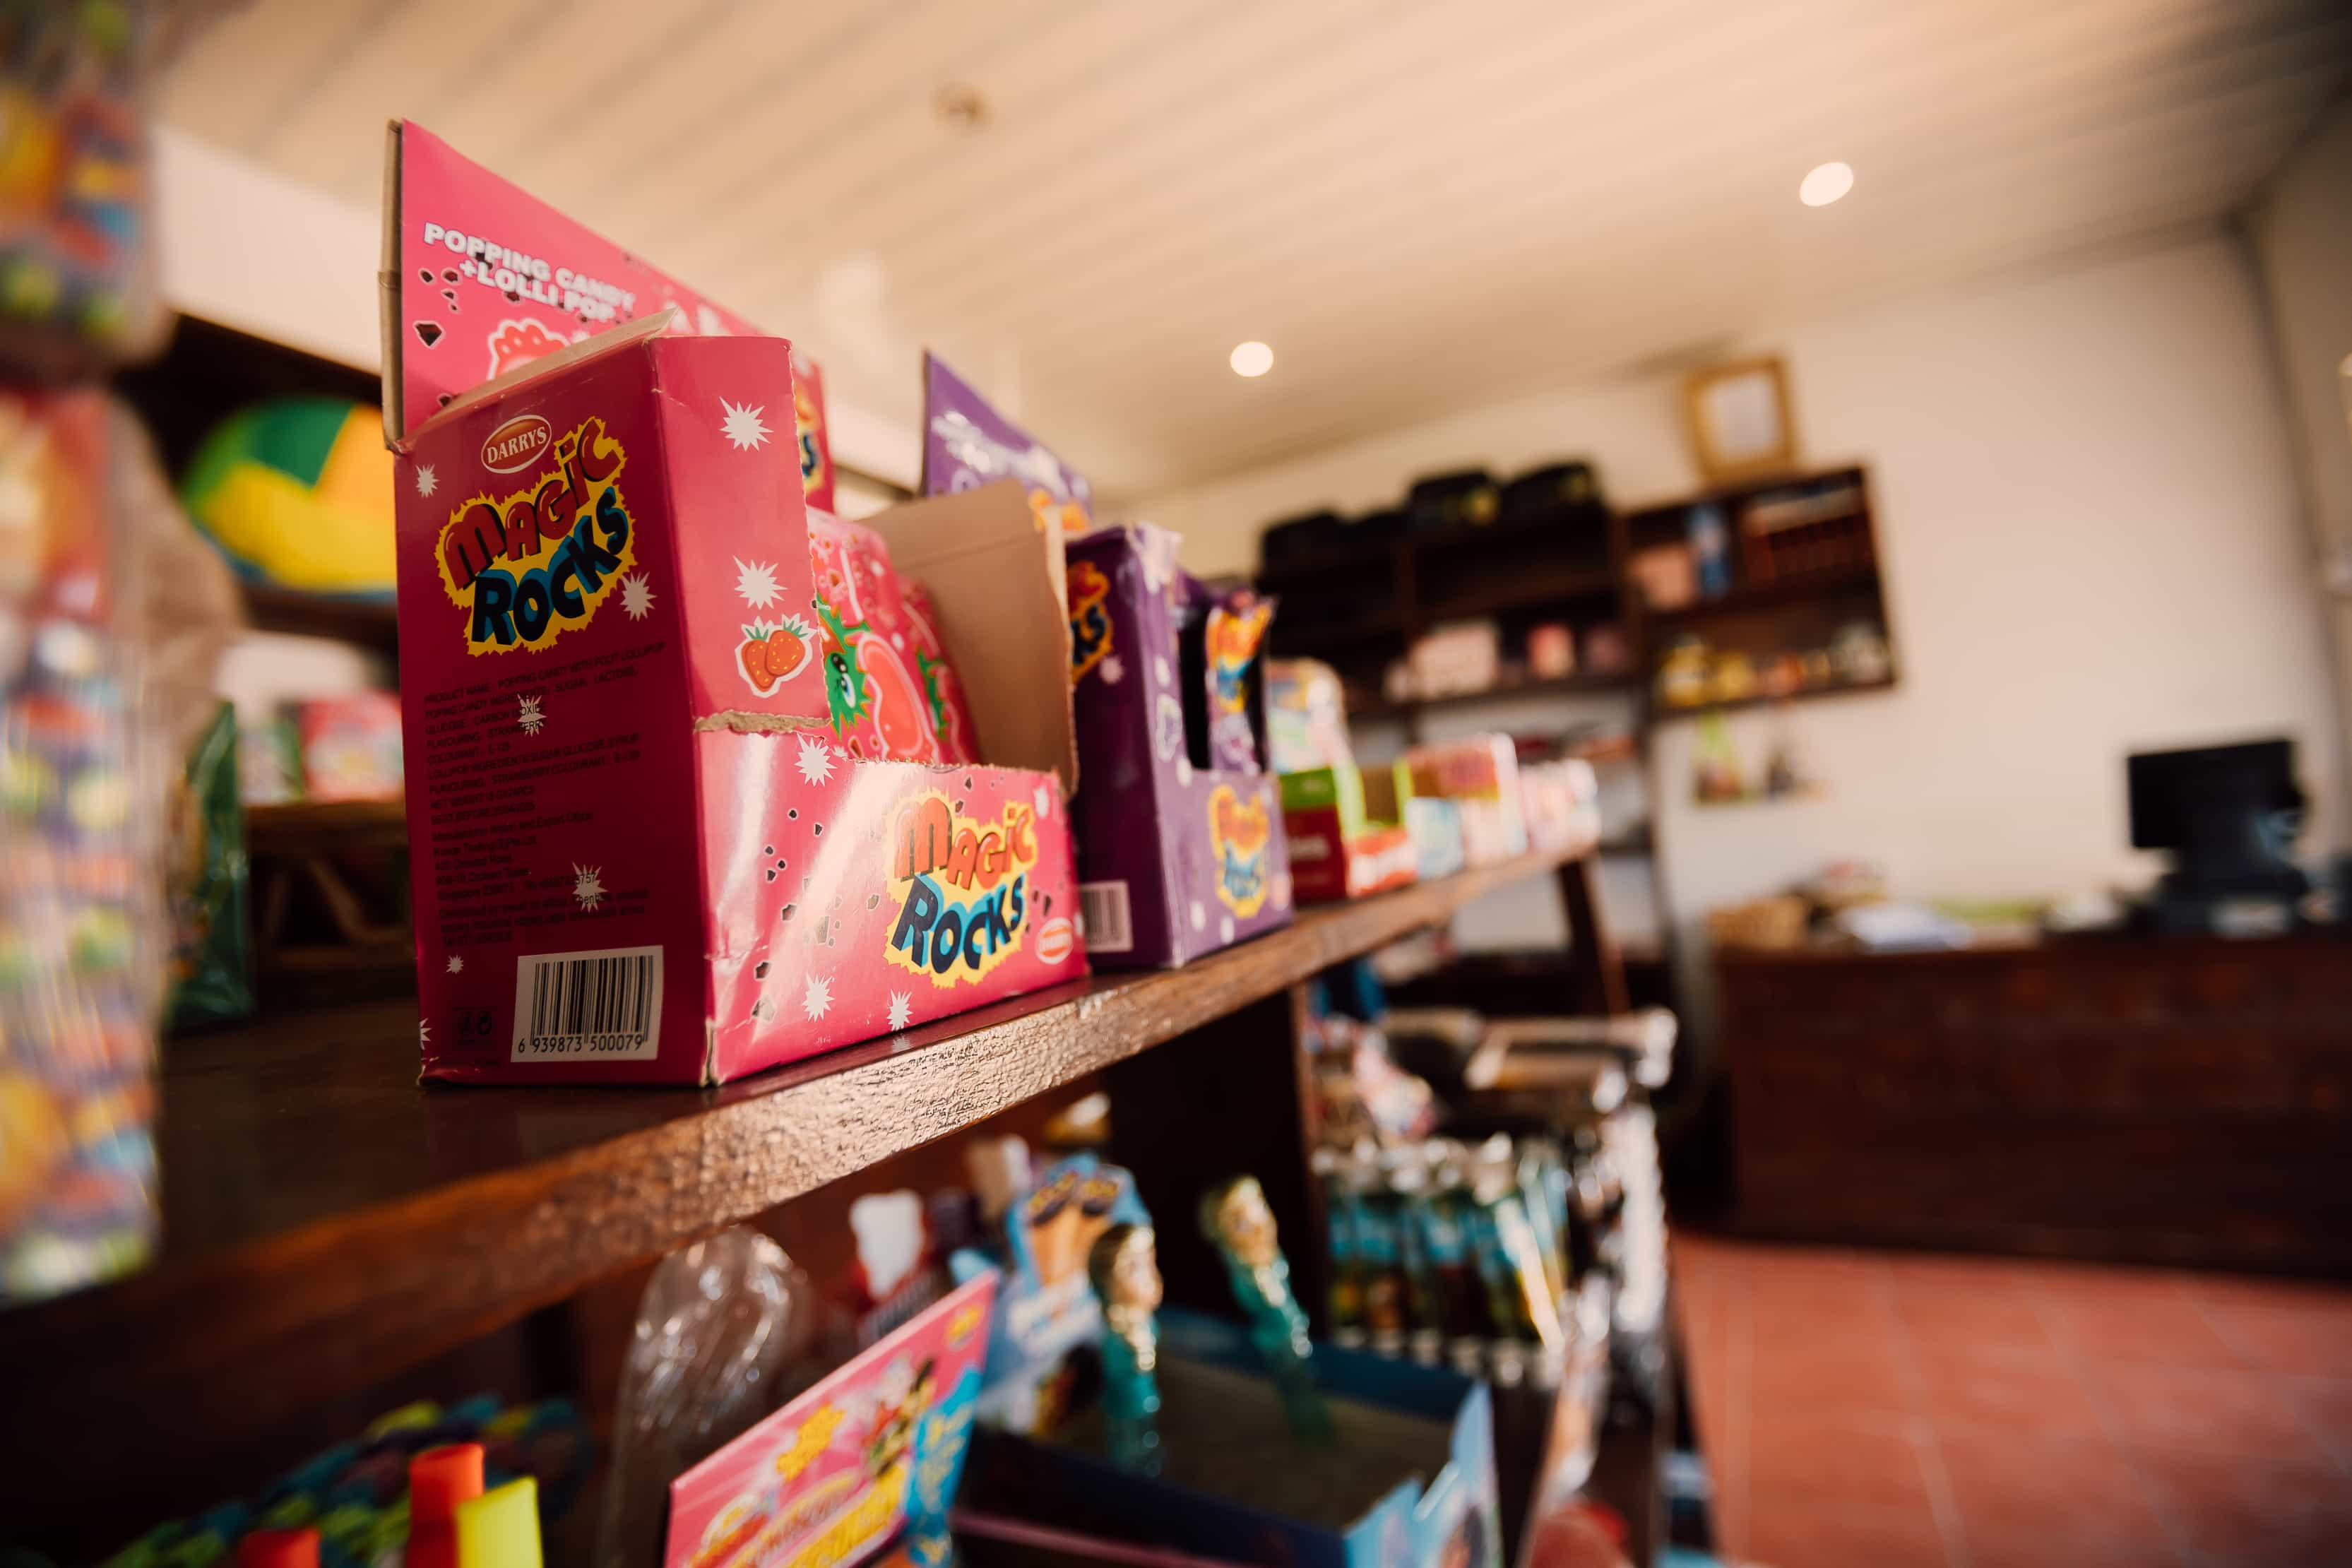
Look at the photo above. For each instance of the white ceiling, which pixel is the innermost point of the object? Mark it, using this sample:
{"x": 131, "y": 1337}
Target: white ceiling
{"x": 1421, "y": 205}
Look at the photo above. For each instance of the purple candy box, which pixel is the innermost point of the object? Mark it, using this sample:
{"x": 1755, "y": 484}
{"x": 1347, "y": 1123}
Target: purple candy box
{"x": 1176, "y": 858}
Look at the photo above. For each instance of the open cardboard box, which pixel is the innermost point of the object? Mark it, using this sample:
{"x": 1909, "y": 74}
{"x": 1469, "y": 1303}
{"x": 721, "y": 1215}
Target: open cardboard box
{"x": 1409, "y": 1476}
{"x": 1346, "y": 831}
{"x": 638, "y": 854}
{"x": 1180, "y": 857}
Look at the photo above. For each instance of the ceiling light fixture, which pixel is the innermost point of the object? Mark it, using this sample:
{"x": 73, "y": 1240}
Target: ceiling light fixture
{"x": 1251, "y": 359}
{"x": 960, "y": 107}
{"x": 1826, "y": 184}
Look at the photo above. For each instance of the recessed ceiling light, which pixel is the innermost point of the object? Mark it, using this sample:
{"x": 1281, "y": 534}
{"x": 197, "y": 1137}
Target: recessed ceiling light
{"x": 1252, "y": 358}
{"x": 1826, "y": 184}
{"x": 960, "y": 107}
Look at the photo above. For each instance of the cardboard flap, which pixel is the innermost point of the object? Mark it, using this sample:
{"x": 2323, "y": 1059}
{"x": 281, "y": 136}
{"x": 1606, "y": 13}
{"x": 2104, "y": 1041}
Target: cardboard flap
{"x": 966, "y": 443}
{"x": 562, "y": 359}
{"x": 995, "y": 577}
{"x": 480, "y": 276}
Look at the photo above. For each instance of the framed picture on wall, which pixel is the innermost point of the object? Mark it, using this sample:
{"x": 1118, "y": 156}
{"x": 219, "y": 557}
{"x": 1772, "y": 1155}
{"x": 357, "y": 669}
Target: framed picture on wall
{"x": 1740, "y": 422}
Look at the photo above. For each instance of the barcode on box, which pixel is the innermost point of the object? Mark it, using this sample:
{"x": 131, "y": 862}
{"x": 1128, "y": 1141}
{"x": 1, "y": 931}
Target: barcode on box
{"x": 1102, "y": 910}
{"x": 604, "y": 1005}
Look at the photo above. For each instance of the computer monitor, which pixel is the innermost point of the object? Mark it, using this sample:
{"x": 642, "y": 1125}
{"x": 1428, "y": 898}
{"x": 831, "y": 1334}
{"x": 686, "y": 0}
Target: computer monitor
{"x": 2230, "y": 815}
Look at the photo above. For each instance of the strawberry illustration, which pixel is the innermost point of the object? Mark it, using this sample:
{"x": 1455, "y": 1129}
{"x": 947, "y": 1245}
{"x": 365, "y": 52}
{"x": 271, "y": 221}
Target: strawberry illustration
{"x": 788, "y": 647}
{"x": 753, "y": 651}
{"x": 775, "y": 651}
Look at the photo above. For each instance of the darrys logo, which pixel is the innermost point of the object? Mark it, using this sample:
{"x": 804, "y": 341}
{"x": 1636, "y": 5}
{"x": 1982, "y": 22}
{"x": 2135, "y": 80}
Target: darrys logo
{"x": 517, "y": 444}
{"x": 963, "y": 887}
{"x": 1237, "y": 837}
{"x": 1089, "y": 621}
{"x": 528, "y": 565}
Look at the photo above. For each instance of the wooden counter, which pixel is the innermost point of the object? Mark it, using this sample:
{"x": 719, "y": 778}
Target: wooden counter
{"x": 2181, "y": 1100}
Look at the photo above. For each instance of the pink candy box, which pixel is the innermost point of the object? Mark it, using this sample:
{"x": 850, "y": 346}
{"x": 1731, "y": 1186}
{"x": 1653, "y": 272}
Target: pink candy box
{"x": 641, "y": 853}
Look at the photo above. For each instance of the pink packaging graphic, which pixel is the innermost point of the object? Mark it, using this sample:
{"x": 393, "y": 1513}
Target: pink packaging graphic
{"x": 640, "y": 846}
{"x": 835, "y": 1474}
{"x": 481, "y": 278}
{"x": 887, "y": 678}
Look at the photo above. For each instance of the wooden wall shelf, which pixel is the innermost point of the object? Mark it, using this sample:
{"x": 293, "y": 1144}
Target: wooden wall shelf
{"x": 327, "y": 1224}
{"x": 1769, "y": 595}
{"x": 1567, "y": 686}
{"x": 1662, "y": 711}
{"x": 370, "y": 624}
{"x": 326, "y": 827}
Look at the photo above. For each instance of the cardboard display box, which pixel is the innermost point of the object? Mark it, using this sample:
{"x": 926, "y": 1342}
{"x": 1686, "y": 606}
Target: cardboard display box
{"x": 1480, "y": 773}
{"x": 640, "y": 853}
{"x": 1410, "y": 1480}
{"x": 875, "y": 1449}
{"x": 1348, "y": 831}
{"x": 1177, "y": 858}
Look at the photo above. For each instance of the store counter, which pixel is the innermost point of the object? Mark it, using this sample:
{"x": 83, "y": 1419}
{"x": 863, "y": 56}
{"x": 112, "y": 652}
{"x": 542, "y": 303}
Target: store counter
{"x": 2180, "y": 1100}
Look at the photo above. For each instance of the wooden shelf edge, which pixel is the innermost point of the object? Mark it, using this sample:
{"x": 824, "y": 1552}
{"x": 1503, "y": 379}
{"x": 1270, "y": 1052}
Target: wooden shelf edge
{"x": 336, "y": 1304}
{"x": 325, "y": 826}
{"x": 1567, "y": 686}
{"x": 1766, "y": 595}
{"x": 1659, "y": 713}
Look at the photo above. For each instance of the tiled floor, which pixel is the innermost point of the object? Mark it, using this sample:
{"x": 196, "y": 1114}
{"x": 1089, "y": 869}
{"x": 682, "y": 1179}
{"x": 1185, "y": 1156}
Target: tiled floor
{"x": 1887, "y": 1410}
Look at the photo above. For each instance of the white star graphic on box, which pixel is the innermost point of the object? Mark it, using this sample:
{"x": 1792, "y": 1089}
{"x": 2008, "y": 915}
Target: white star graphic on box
{"x": 1113, "y": 672}
{"x": 756, "y": 581}
{"x": 818, "y": 1000}
{"x": 743, "y": 427}
{"x": 424, "y": 1033}
{"x": 1225, "y": 929}
{"x": 1043, "y": 798}
{"x": 636, "y": 596}
{"x": 815, "y": 763}
{"x": 528, "y": 716}
{"x": 587, "y": 885}
{"x": 902, "y": 1007}
{"x": 424, "y": 480}
{"x": 457, "y": 963}
{"x": 1199, "y": 918}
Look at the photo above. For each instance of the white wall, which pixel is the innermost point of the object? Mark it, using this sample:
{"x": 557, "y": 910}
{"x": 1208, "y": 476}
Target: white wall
{"x": 2087, "y": 508}
{"x": 2302, "y": 231}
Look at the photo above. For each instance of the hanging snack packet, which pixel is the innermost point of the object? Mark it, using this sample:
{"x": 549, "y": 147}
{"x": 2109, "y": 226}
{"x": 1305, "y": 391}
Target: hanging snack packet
{"x": 206, "y": 881}
{"x": 80, "y": 924}
{"x": 1235, "y": 632}
{"x": 76, "y": 270}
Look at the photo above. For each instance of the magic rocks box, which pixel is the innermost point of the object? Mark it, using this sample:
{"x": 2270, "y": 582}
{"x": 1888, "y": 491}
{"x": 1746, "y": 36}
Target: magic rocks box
{"x": 1180, "y": 857}
{"x": 633, "y": 669}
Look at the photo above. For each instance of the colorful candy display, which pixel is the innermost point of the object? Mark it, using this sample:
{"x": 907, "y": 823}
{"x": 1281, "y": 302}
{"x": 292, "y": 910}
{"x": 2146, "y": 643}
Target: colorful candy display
{"x": 356, "y": 1495}
{"x": 77, "y": 286}
{"x": 80, "y": 967}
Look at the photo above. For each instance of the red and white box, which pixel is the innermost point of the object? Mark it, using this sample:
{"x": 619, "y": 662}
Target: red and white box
{"x": 641, "y": 848}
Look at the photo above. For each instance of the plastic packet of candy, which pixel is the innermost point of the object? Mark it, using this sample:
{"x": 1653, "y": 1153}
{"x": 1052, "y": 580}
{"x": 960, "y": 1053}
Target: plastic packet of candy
{"x": 81, "y": 928}
{"x": 891, "y": 692}
{"x": 1234, "y": 633}
{"x": 77, "y": 265}
{"x": 208, "y": 885}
